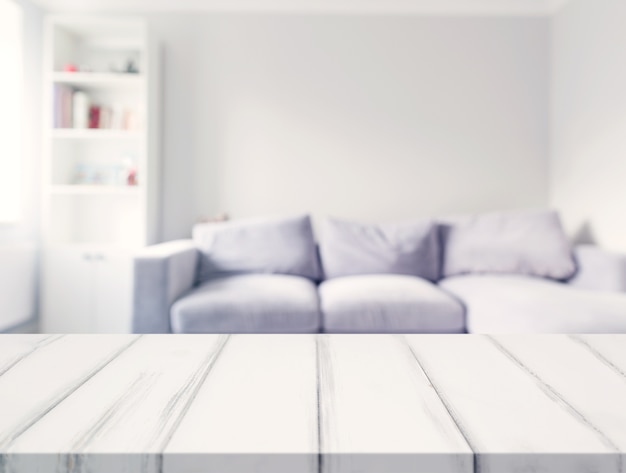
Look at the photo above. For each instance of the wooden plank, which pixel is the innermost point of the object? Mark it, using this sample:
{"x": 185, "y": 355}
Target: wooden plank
{"x": 609, "y": 349}
{"x": 380, "y": 413}
{"x": 120, "y": 420}
{"x": 590, "y": 389}
{"x": 257, "y": 411}
{"x": 509, "y": 419}
{"x": 15, "y": 348}
{"x": 48, "y": 375}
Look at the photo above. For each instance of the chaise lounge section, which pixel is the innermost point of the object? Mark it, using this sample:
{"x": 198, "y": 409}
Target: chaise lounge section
{"x": 593, "y": 301}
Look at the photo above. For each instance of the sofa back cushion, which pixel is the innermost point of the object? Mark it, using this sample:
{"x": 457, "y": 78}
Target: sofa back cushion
{"x": 530, "y": 243}
{"x": 349, "y": 248}
{"x": 262, "y": 245}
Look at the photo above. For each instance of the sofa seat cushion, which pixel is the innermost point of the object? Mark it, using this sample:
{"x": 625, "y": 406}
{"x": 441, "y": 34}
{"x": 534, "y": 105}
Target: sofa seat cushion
{"x": 252, "y": 303}
{"x": 388, "y": 303}
{"x": 519, "y": 304}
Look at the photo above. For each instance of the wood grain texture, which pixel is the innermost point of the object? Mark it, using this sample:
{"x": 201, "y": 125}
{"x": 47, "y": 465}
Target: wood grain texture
{"x": 379, "y": 412}
{"x": 16, "y": 348}
{"x": 48, "y": 375}
{"x": 597, "y": 399}
{"x": 121, "y": 419}
{"x": 511, "y": 421}
{"x": 608, "y": 349}
{"x": 257, "y": 412}
{"x": 312, "y": 404}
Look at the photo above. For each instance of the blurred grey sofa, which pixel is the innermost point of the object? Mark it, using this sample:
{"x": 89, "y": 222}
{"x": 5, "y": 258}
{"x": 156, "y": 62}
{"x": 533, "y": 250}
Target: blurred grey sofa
{"x": 493, "y": 273}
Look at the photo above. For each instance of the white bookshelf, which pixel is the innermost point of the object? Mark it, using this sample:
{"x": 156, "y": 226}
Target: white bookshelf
{"x": 100, "y": 176}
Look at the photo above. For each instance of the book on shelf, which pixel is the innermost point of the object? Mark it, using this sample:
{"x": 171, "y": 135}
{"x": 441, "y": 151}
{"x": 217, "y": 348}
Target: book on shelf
{"x": 62, "y": 106}
{"x": 74, "y": 109}
{"x": 94, "y": 116}
{"x": 117, "y": 116}
{"x": 80, "y": 118}
{"x": 105, "y": 118}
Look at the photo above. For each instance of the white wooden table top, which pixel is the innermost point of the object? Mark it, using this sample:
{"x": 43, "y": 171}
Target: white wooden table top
{"x": 307, "y": 403}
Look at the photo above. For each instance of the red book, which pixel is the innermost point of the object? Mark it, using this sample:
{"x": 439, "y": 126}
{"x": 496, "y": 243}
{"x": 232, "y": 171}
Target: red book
{"x": 94, "y": 116}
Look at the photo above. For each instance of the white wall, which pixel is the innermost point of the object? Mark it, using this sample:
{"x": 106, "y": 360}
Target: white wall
{"x": 18, "y": 242}
{"x": 588, "y": 172}
{"x": 366, "y": 117}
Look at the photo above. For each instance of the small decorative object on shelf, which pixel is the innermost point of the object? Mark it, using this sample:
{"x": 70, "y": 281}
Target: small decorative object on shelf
{"x": 69, "y": 67}
{"x": 122, "y": 174}
{"x": 126, "y": 66}
{"x": 98, "y": 178}
{"x": 132, "y": 177}
{"x": 129, "y": 171}
{"x": 222, "y": 217}
{"x": 80, "y": 175}
{"x": 131, "y": 67}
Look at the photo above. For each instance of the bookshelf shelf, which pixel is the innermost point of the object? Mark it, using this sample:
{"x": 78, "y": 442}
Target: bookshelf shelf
{"x": 89, "y": 80}
{"x": 94, "y": 190}
{"x": 94, "y": 134}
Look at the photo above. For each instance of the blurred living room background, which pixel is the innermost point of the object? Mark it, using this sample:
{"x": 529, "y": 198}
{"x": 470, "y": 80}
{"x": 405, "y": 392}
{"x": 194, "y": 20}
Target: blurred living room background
{"x": 125, "y": 122}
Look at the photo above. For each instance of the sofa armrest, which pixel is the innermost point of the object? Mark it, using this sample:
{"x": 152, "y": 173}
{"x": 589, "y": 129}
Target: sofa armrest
{"x": 162, "y": 273}
{"x": 599, "y": 270}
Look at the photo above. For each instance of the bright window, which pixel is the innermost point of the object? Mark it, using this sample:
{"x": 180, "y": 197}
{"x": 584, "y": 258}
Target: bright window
{"x": 10, "y": 111}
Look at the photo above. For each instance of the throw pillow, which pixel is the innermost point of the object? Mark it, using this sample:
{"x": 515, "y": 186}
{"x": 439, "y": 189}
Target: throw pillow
{"x": 350, "y": 248}
{"x": 530, "y": 243}
{"x": 262, "y": 245}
